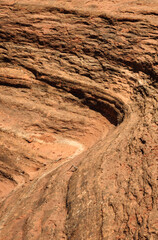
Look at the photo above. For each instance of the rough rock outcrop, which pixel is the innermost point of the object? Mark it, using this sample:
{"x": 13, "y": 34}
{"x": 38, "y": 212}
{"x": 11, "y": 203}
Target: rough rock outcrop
{"x": 78, "y": 122}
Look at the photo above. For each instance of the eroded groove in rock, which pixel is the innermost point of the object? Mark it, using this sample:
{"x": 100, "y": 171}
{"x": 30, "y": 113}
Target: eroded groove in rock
{"x": 78, "y": 122}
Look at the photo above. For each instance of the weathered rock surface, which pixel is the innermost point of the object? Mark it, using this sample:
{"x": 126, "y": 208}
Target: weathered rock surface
{"x": 78, "y": 122}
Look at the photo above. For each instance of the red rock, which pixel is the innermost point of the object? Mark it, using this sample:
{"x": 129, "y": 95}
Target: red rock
{"x": 78, "y": 119}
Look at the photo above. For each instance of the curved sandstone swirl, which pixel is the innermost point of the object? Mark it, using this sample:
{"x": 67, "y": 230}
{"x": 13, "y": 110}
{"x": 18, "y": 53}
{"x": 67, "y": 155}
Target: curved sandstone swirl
{"x": 78, "y": 122}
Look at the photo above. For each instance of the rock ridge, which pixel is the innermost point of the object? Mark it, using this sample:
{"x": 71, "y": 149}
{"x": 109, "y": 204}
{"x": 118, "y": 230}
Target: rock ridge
{"x": 78, "y": 123}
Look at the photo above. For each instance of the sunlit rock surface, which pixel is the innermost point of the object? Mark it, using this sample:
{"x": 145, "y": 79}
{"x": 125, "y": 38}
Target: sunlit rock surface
{"x": 78, "y": 119}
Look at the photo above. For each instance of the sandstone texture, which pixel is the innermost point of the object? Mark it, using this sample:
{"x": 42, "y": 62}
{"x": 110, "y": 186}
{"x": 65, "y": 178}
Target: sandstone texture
{"x": 78, "y": 119}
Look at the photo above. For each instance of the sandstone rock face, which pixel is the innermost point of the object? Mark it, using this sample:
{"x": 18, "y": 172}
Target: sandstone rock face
{"x": 78, "y": 119}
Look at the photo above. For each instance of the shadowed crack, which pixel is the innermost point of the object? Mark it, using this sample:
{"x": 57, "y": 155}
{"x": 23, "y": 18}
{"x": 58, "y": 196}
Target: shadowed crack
{"x": 78, "y": 120}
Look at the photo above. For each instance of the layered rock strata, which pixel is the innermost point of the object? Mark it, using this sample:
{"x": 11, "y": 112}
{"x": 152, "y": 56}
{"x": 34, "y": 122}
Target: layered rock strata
{"x": 78, "y": 122}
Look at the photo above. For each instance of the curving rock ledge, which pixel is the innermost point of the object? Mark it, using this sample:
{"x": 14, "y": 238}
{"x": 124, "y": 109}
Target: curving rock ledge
{"x": 78, "y": 122}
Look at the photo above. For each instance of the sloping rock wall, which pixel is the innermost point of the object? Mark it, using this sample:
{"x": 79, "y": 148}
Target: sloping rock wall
{"x": 78, "y": 122}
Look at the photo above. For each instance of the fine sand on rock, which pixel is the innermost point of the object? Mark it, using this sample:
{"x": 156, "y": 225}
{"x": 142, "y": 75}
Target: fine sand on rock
{"x": 78, "y": 119}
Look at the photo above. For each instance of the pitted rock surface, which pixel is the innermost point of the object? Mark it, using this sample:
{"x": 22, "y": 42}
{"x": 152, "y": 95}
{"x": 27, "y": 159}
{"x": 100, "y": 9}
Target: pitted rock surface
{"x": 78, "y": 119}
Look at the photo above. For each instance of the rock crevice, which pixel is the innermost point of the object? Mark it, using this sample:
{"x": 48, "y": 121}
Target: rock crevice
{"x": 78, "y": 122}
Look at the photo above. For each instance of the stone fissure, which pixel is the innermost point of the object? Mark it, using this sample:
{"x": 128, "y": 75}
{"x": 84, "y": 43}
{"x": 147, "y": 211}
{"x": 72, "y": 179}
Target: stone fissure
{"x": 78, "y": 120}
